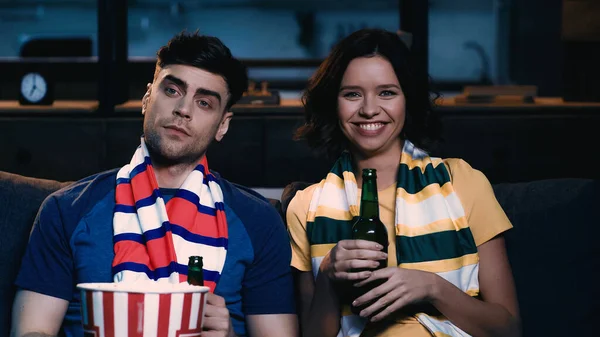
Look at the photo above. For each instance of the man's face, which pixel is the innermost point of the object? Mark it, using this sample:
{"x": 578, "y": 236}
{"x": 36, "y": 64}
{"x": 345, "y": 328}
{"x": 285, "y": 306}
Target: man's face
{"x": 184, "y": 111}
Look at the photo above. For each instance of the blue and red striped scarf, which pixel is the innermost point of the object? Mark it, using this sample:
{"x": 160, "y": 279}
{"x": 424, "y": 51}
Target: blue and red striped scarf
{"x": 153, "y": 241}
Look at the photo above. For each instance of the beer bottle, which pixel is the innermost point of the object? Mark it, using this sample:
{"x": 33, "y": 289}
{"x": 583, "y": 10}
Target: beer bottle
{"x": 369, "y": 227}
{"x": 195, "y": 274}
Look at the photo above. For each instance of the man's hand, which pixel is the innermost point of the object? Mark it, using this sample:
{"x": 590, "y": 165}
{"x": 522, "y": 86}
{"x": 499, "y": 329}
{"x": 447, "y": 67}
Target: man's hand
{"x": 216, "y": 318}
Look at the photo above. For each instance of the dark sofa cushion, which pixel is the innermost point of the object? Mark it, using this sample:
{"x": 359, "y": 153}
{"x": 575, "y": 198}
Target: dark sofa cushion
{"x": 20, "y": 199}
{"x": 555, "y": 254}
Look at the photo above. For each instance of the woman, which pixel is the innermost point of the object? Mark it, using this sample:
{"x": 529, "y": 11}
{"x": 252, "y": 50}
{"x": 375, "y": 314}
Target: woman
{"x": 367, "y": 107}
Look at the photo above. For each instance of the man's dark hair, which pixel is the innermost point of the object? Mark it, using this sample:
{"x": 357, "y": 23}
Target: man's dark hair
{"x": 206, "y": 53}
{"x": 322, "y": 130}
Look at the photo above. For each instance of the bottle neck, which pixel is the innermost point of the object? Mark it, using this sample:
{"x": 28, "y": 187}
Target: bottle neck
{"x": 195, "y": 267}
{"x": 369, "y": 204}
{"x": 195, "y": 263}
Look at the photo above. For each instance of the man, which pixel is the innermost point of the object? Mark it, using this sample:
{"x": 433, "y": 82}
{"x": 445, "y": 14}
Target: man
{"x": 144, "y": 220}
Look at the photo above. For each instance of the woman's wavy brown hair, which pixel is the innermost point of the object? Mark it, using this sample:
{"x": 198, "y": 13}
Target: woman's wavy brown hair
{"x": 322, "y": 129}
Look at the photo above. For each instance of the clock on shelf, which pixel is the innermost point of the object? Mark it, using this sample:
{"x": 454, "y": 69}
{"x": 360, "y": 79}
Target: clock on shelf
{"x": 36, "y": 89}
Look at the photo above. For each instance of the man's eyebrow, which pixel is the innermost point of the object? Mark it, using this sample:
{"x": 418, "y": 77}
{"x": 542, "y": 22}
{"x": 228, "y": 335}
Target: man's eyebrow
{"x": 176, "y": 80}
{"x": 204, "y": 91}
{"x": 199, "y": 91}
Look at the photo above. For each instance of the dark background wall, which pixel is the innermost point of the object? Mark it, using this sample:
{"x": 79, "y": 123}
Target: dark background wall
{"x": 507, "y": 144}
{"x": 470, "y": 41}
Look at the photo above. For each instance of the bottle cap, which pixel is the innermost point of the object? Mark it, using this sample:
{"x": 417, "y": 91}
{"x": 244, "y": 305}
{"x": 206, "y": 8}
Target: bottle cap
{"x": 195, "y": 259}
{"x": 369, "y": 172}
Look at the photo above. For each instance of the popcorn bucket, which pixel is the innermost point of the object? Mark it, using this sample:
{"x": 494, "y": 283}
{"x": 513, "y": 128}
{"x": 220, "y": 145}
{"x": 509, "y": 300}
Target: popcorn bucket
{"x": 142, "y": 309}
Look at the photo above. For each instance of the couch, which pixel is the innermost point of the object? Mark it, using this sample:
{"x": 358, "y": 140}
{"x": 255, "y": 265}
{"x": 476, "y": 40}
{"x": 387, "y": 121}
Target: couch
{"x": 20, "y": 198}
{"x": 552, "y": 248}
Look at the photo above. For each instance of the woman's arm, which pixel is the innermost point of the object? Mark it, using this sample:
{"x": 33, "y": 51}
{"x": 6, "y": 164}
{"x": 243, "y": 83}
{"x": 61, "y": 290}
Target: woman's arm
{"x": 498, "y": 313}
{"x": 319, "y": 301}
{"x": 319, "y": 305}
{"x": 495, "y": 315}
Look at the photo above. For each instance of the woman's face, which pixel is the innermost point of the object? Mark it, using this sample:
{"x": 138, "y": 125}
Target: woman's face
{"x": 371, "y": 105}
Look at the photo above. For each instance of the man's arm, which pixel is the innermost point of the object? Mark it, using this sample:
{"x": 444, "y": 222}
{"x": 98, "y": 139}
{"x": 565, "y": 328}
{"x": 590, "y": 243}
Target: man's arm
{"x": 45, "y": 278}
{"x": 217, "y": 322}
{"x": 272, "y": 325}
{"x": 267, "y": 287}
{"x": 37, "y": 315}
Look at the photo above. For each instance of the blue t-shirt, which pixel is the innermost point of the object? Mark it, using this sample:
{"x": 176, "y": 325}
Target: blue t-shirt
{"x": 72, "y": 242}
{"x": 168, "y": 193}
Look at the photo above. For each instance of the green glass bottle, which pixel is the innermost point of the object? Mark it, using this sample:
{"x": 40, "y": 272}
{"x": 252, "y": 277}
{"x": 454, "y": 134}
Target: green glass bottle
{"x": 195, "y": 273}
{"x": 369, "y": 227}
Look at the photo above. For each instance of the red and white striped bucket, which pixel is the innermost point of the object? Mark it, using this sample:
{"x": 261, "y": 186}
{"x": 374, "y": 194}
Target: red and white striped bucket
{"x": 140, "y": 310}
